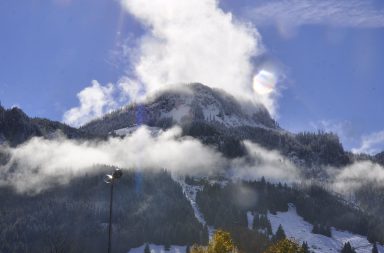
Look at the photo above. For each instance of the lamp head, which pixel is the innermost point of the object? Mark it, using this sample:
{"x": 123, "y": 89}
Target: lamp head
{"x": 117, "y": 174}
{"x": 108, "y": 178}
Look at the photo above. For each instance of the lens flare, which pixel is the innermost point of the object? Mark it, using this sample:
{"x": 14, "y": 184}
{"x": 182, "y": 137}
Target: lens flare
{"x": 264, "y": 82}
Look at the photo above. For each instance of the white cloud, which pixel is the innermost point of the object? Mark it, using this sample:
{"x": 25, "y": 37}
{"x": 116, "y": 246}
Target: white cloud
{"x": 264, "y": 163}
{"x": 130, "y": 90}
{"x": 195, "y": 41}
{"x": 95, "y": 101}
{"x": 354, "y": 176}
{"x": 287, "y": 14}
{"x": 184, "y": 41}
{"x": 40, "y": 163}
{"x": 371, "y": 144}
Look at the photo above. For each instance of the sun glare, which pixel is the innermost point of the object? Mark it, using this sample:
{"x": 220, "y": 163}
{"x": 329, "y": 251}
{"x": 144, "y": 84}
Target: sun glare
{"x": 264, "y": 82}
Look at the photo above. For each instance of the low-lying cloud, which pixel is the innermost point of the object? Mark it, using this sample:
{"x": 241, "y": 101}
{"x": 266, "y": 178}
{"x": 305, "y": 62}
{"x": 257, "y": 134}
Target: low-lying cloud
{"x": 41, "y": 163}
{"x": 264, "y": 163}
{"x": 371, "y": 143}
{"x": 356, "y": 175}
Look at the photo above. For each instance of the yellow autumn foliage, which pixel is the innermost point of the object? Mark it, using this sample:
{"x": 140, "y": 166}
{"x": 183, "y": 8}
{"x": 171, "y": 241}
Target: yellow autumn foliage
{"x": 285, "y": 246}
{"x": 220, "y": 243}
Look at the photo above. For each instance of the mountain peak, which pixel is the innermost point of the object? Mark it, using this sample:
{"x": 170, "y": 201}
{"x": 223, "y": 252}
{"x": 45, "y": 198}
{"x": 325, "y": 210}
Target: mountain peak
{"x": 183, "y": 104}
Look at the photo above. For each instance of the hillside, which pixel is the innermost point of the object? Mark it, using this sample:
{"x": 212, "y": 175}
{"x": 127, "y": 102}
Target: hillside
{"x": 163, "y": 208}
{"x": 16, "y": 127}
{"x": 217, "y": 118}
{"x": 148, "y": 206}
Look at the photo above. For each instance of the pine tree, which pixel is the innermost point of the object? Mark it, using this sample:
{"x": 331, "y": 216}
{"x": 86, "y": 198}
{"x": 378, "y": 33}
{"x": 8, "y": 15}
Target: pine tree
{"x": 146, "y": 248}
{"x": 280, "y": 234}
{"x": 327, "y": 231}
{"x": 262, "y": 222}
{"x": 374, "y": 248}
{"x": 167, "y": 247}
{"x": 315, "y": 229}
{"x": 269, "y": 228}
{"x": 266, "y": 224}
{"x": 305, "y": 247}
{"x": 256, "y": 222}
{"x": 263, "y": 183}
{"x": 322, "y": 229}
{"x": 347, "y": 248}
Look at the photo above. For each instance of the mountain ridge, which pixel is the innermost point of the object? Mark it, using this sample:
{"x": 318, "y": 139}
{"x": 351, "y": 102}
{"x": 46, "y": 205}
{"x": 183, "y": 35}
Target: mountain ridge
{"x": 17, "y": 127}
{"x": 181, "y": 105}
{"x": 210, "y": 115}
{"x": 143, "y": 198}
{"x": 218, "y": 119}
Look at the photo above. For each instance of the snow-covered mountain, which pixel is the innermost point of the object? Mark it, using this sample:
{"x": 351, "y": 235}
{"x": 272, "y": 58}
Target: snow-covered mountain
{"x": 183, "y": 105}
{"x": 218, "y": 119}
{"x": 162, "y": 211}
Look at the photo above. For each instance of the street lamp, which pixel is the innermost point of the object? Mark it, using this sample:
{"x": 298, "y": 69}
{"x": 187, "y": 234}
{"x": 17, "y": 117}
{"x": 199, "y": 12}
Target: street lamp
{"x": 110, "y": 179}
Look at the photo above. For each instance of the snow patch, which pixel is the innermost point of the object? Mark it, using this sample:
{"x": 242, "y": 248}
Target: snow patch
{"x": 295, "y": 227}
{"x": 159, "y": 249}
{"x": 181, "y": 106}
{"x": 129, "y": 130}
{"x": 190, "y": 192}
{"x": 213, "y": 113}
{"x": 250, "y": 218}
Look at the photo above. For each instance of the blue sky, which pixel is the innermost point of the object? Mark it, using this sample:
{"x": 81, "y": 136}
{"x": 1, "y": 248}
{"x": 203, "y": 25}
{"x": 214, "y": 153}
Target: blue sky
{"x": 332, "y": 64}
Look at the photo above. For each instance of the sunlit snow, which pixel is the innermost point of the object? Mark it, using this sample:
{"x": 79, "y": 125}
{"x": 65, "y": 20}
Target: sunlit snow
{"x": 295, "y": 227}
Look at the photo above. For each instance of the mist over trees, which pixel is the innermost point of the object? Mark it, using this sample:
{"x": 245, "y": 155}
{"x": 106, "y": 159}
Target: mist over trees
{"x": 316, "y": 205}
{"x": 151, "y": 207}
{"x": 148, "y": 207}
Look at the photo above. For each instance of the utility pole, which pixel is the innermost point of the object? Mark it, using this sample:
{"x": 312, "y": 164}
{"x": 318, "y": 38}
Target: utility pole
{"x": 110, "y": 179}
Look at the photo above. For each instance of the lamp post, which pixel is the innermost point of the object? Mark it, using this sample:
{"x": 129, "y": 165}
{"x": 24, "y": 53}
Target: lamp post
{"x": 110, "y": 179}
